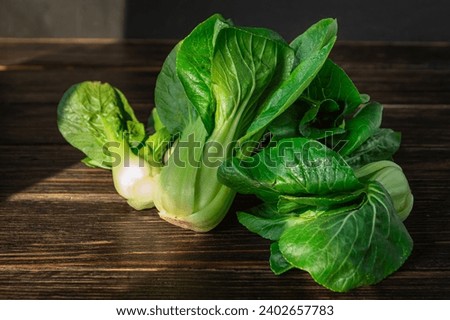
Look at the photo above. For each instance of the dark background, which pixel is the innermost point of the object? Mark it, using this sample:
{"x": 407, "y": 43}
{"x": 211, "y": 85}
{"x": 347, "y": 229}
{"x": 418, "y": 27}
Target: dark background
{"x": 383, "y": 20}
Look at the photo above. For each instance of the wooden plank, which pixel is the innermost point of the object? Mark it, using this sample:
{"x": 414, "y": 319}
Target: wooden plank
{"x": 206, "y": 284}
{"x": 93, "y": 54}
{"x": 121, "y": 241}
{"x": 102, "y": 53}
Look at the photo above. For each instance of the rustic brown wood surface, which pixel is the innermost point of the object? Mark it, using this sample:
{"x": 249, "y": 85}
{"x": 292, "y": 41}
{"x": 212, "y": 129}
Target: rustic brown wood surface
{"x": 65, "y": 233}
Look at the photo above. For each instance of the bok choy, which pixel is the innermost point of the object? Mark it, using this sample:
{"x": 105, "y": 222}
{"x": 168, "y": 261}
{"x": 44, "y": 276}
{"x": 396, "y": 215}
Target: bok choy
{"x": 240, "y": 110}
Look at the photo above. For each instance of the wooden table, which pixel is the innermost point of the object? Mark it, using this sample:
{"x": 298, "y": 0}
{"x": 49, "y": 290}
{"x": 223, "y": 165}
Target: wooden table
{"x": 65, "y": 233}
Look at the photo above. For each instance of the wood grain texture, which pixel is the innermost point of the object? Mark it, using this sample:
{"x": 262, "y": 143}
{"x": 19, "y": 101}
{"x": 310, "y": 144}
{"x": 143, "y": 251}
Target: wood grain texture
{"x": 65, "y": 233}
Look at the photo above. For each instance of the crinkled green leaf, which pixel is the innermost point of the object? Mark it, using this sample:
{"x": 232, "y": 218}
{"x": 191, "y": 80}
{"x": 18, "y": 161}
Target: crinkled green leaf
{"x": 331, "y": 96}
{"x": 268, "y": 227}
{"x": 91, "y": 115}
{"x": 286, "y": 124}
{"x": 361, "y": 127}
{"x": 390, "y": 175}
{"x": 266, "y": 221}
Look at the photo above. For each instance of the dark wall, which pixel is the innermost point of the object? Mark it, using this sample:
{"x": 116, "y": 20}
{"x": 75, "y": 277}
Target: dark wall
{"x": 413, "y": 20}
{"x": 401, "y": 20}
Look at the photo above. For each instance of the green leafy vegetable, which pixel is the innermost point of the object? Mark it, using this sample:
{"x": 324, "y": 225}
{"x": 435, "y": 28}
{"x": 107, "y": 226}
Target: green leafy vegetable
{"x": 106, "y": 116}
{"x": 97, "y": 119}
{"x": 332, "y": 83}
{"x": 346, "y": 240}
{"x": 238, "y": 109}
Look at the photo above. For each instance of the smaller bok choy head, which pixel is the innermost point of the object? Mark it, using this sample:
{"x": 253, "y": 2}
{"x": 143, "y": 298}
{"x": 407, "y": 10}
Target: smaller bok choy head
{"x": 96, "y": 118}
{"x": 391, "y": 177}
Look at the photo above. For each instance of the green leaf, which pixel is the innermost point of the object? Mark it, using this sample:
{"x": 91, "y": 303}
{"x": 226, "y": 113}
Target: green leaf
{"x": 268, "y": 227}
{"x": 381, "y": 146}
{"x": 136, "y": 134}
{"x": 268, "y": 223}
{"x": 314, "y": 39}
{"x": 361, "y": 127}
{"x": 346, "y": 249}
{"x": 193, "y": 66}
{"x": 294, "y": 166}
{"x": 332, "y": 83}
{"x": 91, "y": 115}
{"x": 278, "y": 263}
{"x": 242, "y": 68}
{"x": 265, "y": 33}
{"x": 285, "y": 61}
{"x": 312, "y": 60}
{"x": 322, "y": 106}
{"x": 175, "y": 110}
{"x": 94, "y": 164}
{"x": 156, "y": 146}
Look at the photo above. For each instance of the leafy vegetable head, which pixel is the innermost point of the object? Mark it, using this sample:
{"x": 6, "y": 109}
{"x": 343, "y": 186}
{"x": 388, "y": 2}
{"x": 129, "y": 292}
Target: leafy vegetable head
{"x": 91, "y": 114}
{"x": 221, "y": 92}
{"x": 97, "y": 119}
{"x": 344, "y": 227}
